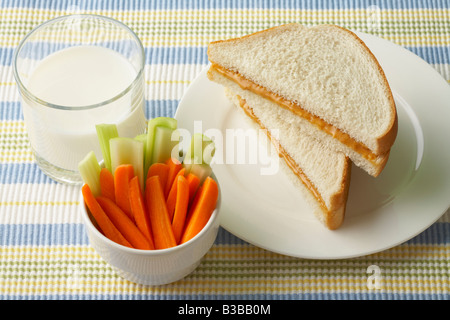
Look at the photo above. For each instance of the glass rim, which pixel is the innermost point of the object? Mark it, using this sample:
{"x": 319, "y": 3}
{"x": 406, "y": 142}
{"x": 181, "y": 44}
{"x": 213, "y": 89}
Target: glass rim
{"x": 24, "y": 90}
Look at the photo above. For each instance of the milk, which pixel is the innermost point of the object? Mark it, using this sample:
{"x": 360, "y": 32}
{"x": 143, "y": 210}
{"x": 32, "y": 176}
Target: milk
{"x": 75, "y": 78}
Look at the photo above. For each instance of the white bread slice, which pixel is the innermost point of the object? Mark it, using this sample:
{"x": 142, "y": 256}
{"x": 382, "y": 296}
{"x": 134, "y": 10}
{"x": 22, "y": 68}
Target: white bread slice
{"x": 322, "y": 175}
{"x": 303, "y": 126}
{"x": 327, "y": 76}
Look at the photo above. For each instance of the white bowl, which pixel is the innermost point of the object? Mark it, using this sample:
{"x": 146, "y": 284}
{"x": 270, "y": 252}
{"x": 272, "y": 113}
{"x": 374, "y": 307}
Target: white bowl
{"x": 154, "y": 267}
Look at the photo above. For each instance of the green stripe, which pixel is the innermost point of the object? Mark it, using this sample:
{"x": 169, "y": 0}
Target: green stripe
{"x": 164, "y": 28}
{"x": 243, "y": 268}
{"x": 87, "y": 273}
{"x": 432, "y": 26}
{"x": 35, "y": 273}
{"x": 403, "y": 271}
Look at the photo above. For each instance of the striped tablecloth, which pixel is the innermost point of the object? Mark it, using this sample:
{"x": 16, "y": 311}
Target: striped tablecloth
{"x": 44, "y": 251}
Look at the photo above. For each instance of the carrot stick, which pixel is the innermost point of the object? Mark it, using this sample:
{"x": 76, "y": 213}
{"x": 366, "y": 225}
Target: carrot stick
{"x": 194, "y": 183}
{"x": 124, "y": 224}
{"x": 204, "y": 207}
{"x": 139, "y": 210}
{"x": 107, "y": 184}
{"x": 159, "y": 218}
{"x": 174, "y": 167}
{"x": 161, "y": 170}
{"x": 193, "y": 204}
{"x": 170, "y": 201}
{"x": 172, "y": 196}
{"x": 104, "y": 223}
{"x": 181, "y": 206}
{"x": 122, "y": 177}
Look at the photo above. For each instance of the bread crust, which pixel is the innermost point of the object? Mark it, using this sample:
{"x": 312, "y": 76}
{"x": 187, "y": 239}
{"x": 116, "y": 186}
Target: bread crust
{"x": 332, "y": 217}
{"x": 385, "y": 141}
{"x": 336, "y": 214}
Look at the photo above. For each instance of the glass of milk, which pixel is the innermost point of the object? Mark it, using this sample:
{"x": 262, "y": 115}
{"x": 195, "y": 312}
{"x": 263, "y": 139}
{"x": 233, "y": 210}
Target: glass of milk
{"x": 74, "y": 72}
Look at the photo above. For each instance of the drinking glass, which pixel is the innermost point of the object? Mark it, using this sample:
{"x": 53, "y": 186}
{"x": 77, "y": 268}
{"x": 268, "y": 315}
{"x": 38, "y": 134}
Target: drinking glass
{"x": 74, "y": 72}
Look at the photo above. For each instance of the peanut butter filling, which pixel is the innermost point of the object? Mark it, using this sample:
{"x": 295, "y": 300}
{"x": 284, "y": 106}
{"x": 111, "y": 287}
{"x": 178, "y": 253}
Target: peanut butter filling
{"x": 343, "y": 137}
{"x": 283, "y": 154}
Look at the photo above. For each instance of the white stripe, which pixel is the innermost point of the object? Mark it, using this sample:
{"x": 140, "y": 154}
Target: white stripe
{"x": 39, "y": 203}
{"x": 168, "y": 81}
{"x": 443, "y": 69}
{"x": 8, "y": 88}
{"x": 163, "y": 81}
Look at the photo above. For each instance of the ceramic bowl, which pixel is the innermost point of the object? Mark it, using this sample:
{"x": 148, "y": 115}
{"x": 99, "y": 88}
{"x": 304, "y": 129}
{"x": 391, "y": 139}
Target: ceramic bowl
{"x": 154, "y": 267}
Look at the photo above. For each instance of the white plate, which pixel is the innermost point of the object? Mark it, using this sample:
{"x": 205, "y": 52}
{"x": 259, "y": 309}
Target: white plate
{"x": 411, "y": 193}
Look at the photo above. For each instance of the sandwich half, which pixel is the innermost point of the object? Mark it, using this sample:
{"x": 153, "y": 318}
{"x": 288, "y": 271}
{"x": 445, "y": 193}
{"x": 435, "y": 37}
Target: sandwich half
{"x": 325, "y": 77}
{"x": 322, "y": 175}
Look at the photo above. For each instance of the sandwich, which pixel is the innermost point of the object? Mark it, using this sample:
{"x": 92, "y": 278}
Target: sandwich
{"x": 324, "y": 74}
{"x": 320, "y": 174}
{"x": 325, "y": 92}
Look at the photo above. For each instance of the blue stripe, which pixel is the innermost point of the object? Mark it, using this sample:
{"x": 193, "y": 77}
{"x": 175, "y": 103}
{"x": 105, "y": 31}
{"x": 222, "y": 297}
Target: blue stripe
{"x": 437, "y": 233}
{"x": 22, "y": 173}
{"x": 244, "y": 296}
{"x": 43, "y": 234}
{"x": 160, "y": 108}
{"x": 153, "y": 55}
{"x": 66, "y": 234}
{"x": 433, "y": 55}
{"x": 12, "y": 110}
{"x": 197, "y": 55}
{"x": 74, "y": 234}
{"x": 218, "y": 4}
{"x": 176, "y": 55}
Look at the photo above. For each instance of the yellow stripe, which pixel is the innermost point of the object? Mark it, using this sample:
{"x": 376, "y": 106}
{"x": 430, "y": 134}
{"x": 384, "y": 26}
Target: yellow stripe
{"x": 391, "y": 265}
{"x": 27, "y": 252}
{"x": 191, "y": 285}
{"x": 39, "y": 203}
{"x": 17, "y": 159}
{"x": 167, "y": 82}
{"x": 148, "y": 82}
{"x": 13, "y": 123}
{"x": 202, "y": 41}
{"x": 38, "y": 249}
{"x": 237, "y": 254}
{"x": 7, "y": 154}
{"x": 9, "y": 129}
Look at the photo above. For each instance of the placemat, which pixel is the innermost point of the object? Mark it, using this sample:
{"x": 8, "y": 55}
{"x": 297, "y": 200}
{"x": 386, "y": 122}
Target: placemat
{"x": 44, "y": 250}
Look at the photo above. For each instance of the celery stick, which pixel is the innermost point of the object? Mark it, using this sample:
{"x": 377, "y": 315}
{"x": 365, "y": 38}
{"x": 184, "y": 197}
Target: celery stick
{"x": 199, "y": 156}
{"x": 143, "y": 139}
{"x": 202, "y": 171}
{"x": 166, "y": 122}
{"x": 201, "y": 149}
{"x": 165, "y": 144}
{"x": 128, "y": 151}
{"x": 105, "y": 132}
{"x": 90, "y": 172}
